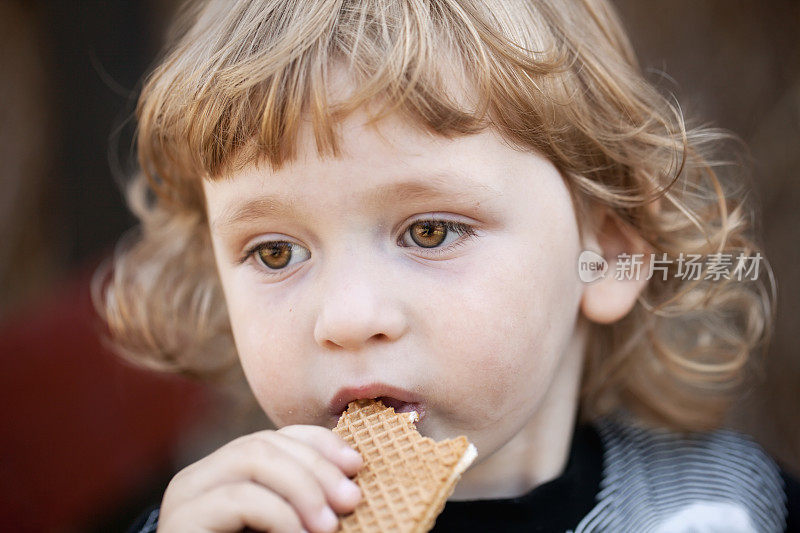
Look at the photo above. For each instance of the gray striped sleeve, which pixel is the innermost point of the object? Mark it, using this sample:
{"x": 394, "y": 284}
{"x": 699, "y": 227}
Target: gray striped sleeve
{"x": 657, "y": 481}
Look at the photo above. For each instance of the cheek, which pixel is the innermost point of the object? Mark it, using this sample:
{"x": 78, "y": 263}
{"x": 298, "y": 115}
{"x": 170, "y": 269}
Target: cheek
{"x": 507, "y": 333}
{"x": 495, "y": 344}
{"x": 267, "y": 352}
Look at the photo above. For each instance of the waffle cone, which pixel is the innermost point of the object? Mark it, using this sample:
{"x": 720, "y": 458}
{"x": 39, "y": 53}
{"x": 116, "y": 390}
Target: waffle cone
{"x": 406, "y": 478}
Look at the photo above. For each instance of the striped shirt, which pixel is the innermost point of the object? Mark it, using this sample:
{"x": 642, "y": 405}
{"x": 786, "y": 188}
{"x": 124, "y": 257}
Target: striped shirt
{"x": 658, "y": 481}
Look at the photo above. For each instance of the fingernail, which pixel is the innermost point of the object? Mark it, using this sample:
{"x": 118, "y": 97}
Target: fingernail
{"x": 327, "y": 519}
{"x": 351, "y": 455}
{"x": 348, "y": 489}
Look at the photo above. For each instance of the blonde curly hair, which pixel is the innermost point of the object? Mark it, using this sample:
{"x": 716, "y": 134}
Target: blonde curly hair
{"x": 555, "y": 76}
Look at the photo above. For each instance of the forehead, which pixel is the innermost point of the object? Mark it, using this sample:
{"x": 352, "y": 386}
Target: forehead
{"x": 378, "y": 163}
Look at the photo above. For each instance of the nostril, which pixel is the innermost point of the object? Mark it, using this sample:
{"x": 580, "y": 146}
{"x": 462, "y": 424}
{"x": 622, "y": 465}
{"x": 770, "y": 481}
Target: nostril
{"x": 354, "y": 325}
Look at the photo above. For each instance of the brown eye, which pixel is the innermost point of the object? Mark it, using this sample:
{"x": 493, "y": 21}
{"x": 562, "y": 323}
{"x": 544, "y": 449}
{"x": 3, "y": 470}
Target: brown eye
{"x": 277, "y": 255}
{"x": 429, "y": 234}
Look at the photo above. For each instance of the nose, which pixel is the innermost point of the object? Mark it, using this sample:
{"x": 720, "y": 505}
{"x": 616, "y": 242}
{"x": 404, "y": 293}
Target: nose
{"x": 358, "y": 308}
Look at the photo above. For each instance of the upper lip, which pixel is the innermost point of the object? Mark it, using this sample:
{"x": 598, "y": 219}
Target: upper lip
{"x": 345, "y": 395}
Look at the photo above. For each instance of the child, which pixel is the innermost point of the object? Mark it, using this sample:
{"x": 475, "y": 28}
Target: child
{"x": 478, "y": 210}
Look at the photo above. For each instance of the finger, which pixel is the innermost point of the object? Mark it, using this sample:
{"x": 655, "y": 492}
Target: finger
{"x": 233, "y": 507}
{"x": 328, "y": 444}
{"x": 342, "y": 493}
{"x": 260, "y": 460}
{"x": 267, "y": 463}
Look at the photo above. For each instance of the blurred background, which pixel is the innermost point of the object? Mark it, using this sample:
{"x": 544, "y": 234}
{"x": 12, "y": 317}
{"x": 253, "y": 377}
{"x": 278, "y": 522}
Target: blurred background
{"x": 88, "y": 441}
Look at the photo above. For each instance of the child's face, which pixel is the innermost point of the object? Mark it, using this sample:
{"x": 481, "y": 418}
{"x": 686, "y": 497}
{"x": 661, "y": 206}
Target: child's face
{"x": 475, "y": 327}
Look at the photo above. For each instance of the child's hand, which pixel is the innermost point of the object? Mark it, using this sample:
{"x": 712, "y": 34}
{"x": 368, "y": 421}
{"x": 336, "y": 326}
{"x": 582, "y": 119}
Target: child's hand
{"x": 288, "y": 480}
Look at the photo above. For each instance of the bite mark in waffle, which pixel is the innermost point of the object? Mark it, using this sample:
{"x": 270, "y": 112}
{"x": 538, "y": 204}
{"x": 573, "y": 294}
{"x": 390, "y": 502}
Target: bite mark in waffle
{"x": 406, "y": 478}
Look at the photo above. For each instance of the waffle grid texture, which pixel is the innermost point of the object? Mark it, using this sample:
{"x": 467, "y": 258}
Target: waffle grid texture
{"x": 406, "y": 478}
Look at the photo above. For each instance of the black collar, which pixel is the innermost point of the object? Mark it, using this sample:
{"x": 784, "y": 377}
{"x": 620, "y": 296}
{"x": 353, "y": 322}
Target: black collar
{"x": 557, "y": 505}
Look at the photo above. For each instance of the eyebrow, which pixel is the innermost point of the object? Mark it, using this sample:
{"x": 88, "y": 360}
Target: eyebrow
{"x": 431, "y": 188}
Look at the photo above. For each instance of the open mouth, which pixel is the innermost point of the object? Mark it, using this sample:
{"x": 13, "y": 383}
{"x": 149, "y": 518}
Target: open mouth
{"x": 400, "y": 406}
{"x": 402, "y": 401}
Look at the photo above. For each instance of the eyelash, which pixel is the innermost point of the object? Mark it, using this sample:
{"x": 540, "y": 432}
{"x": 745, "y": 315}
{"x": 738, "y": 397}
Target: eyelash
{"x": 465, "y": 231}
